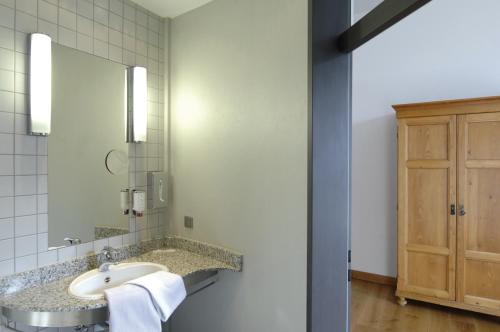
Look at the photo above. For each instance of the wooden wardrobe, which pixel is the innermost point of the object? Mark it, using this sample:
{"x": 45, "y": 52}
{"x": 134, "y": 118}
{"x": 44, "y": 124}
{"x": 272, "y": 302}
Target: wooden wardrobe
{"x": 449, "y": 203}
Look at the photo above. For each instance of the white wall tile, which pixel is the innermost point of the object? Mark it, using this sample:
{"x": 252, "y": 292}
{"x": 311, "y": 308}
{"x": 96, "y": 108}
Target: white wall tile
{"x": 7, "y": 101}
{"x": 21, "y": 124}
{"x": 27, "y": 6}
{"x": 84, "y": 26}
{"x": 6, "y": 58}
{"x": 67, "y": 37}
{"x": 25, "y": 23}
{"x": 25, "y": 165}
{"x": 8, "y": 3}
{"x": 42, "y": 146}
{"x": 25, "y": 205}
{"x": 66, "y": 254}
{"x": 26, "y": 263}
{"x": 84, "y": 249}
{"x": 47, "y": 258}
{"x": 141, "y": 18}
{"x": 129, "y": 28}
{"x": 6, "y": 80}
{"x": 48, "y": 28}
{"x": 25, "y": 144}
{"x": 6, "y": 165}
{"x": 21, "y": 103}
{"x": 101, "y": 15}
{"x": 101, "y": 48}
{"x": 20, "y": 83}
{"x": 67, "y": 19}
{"x": 6, "y": 228}
{"x": 116, "y": 241}
{"x": 129, "y": 12}
{"x": 85, "y": 8}
{"x": 84, "y": 43}
{"x": 43, "y": 242}
{"x": 43, "y": 203}
{"x": 42, "y": 186}
{"x": 6, "y": 249}
{"x": 43, "y": 223}
{"x": 115, "y": 22}
{"x": 6, "y": 267}
{"x": 116, "y": 6}
{"x": 141, "y": 33}
{"x": 6, "y": 38}
{"x": 115, "y": 38}
{"x": 6, "y": 207}
{"x": 100, "y": 244}
{"x": 26, "y": 185}
{"x": 47, "y": 11}
{"x": 42, "y": 164}
{"x": 6, "y": 186}
{"x": 115, "y": 53}
{"x": 68, "y": 4}
{"x": 25, "y": 245}
{"x": 100, "y": 32}
{"x": 102, "y": 3}
{"x": 7, "y": 17}
{"x": 26, "y": 225}
{"x": 21, "y": 42}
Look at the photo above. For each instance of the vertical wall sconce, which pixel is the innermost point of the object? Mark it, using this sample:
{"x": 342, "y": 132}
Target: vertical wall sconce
{"x": 40, "y": 79}
{"x": 137, "y": 101}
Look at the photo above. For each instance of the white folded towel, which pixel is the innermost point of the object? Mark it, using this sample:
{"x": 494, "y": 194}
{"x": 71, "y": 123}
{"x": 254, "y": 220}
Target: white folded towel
{"x": 131, "y": 310}
{"x": 166, "y": 289}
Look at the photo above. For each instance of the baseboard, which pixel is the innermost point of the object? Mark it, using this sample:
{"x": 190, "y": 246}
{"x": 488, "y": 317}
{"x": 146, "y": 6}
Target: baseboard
{"x": 375, "y": 278}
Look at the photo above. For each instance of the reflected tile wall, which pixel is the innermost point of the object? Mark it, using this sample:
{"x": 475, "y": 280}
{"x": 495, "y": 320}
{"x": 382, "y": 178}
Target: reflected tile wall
{"x": 113, "y": 29}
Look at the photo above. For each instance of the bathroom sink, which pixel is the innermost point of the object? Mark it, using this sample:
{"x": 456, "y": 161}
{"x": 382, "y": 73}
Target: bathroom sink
{"x": 91, "y": 285}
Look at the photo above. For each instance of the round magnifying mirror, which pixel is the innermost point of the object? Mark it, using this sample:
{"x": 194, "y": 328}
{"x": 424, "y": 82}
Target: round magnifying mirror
{"x": 117, "y": 162}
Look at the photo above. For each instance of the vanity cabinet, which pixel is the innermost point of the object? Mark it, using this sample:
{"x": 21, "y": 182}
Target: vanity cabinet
{"x": 449, "y": 203}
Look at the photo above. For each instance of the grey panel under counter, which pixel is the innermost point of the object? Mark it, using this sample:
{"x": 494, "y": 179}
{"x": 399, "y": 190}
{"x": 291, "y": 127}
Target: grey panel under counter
{"x": 194, "y": 283}
{"x": 50, "y": 305}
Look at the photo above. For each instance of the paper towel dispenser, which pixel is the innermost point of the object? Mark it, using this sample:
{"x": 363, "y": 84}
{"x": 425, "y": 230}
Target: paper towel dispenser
{"x": 158, "y": 193}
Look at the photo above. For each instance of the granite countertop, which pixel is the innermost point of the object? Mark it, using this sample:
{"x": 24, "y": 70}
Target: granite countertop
{"x": 181, "y": 256}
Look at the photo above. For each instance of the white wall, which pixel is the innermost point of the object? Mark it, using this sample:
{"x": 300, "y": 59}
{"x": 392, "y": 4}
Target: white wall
{"x": 238, "y": 159}
{"x": 448, "y": 49}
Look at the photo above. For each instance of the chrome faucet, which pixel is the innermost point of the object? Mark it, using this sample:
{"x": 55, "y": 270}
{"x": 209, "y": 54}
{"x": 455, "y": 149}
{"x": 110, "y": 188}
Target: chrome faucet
{"x": 104, "y": 267}
{"x": 73, "y": 241}
{"x": 107, "y": 253}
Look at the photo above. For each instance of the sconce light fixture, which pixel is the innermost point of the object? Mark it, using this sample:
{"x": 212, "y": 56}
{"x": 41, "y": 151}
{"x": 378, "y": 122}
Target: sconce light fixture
{"x": 137, "y": 104}
{"x": 40, "y": 78}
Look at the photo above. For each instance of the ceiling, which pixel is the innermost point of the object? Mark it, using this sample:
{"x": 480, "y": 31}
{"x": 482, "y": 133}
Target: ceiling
{"x": 173, "y": 8}
{"x": 170, "y": 8}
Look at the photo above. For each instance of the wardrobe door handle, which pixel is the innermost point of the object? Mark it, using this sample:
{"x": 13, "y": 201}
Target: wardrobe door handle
{"x": 462, "y": 210}
{"x": 453, "y": 210}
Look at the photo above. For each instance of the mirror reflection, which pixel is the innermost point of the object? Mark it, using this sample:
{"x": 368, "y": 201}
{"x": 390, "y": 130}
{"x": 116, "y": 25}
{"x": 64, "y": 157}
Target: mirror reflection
{"x": 88, "y": 153}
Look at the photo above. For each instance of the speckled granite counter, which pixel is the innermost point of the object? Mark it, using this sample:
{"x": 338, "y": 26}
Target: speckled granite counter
{"x": 49, "y": 293}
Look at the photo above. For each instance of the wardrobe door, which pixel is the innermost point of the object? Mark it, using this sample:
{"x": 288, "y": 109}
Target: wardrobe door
{"x": 478, "y": 278}
{"x": 426, "y": 195}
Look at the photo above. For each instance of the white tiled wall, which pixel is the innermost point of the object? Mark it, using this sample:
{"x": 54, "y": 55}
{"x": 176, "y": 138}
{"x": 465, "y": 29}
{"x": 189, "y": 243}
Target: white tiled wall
{"x": 117, "y": 30}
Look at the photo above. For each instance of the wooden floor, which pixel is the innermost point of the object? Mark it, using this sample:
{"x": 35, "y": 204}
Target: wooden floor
{"x": 374, "y": 309}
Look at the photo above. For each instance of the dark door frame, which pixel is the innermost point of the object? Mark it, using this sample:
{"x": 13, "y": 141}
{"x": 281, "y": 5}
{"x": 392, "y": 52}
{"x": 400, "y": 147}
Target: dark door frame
{"x": 329, "y": 165}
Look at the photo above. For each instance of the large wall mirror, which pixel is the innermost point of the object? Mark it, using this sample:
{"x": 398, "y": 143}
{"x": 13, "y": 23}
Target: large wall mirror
{"x": 88, "y": 153}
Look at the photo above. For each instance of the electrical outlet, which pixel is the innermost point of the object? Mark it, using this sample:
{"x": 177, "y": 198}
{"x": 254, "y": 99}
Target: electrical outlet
{"x": 188, "y": 222}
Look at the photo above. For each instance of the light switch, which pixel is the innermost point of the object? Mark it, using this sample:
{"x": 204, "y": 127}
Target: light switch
{"x": 188, "y": 222}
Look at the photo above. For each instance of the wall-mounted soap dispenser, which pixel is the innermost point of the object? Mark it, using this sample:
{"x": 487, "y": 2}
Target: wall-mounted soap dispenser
{"x": 139, "y": 203}
{"x": 158, "y": 192}
{"x": 125, "y": 201}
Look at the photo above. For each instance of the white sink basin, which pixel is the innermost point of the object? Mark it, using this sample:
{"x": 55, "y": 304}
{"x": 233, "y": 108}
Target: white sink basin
{"x": 91, "y": 285}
